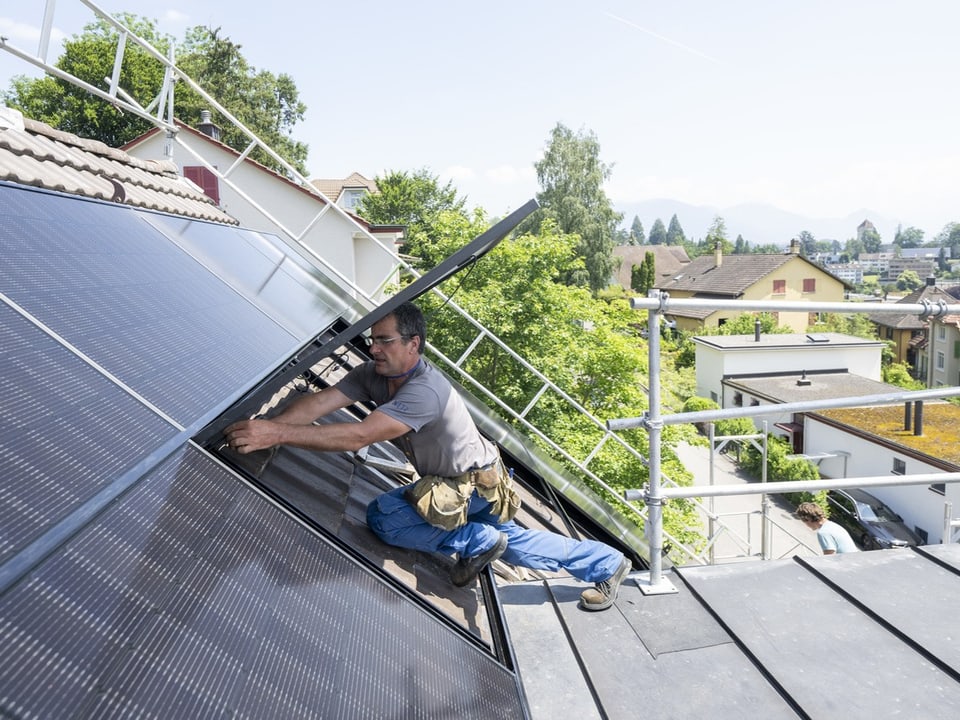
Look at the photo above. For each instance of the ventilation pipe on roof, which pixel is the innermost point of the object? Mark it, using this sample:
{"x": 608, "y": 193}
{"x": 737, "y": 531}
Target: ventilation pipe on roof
{"x": 756, "y": 330}
{"x": 907, "y": 406}
{"x": 804, "y": 380}
{"x": 918, "y": 417}
{"x": 718, "y": 254}
{"x": 207, "y": 126}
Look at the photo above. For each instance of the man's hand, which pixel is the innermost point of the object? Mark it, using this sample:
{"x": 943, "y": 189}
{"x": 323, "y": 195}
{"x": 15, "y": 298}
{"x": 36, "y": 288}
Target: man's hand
{"x": 249, "y": 436}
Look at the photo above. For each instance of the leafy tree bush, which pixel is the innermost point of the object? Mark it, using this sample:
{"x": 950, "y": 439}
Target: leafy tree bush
{"x": 269, "y": 105}
{"x": 781, "y": 468}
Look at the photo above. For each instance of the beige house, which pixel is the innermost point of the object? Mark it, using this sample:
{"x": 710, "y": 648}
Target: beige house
{"x": 788, "y": 276}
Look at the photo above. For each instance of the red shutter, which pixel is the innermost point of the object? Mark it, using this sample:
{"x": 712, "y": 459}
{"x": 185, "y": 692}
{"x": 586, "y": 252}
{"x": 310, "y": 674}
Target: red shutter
{"x": 205, "y": 179}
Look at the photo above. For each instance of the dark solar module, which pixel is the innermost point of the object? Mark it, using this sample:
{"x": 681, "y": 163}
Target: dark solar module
{"x": 195, "y": 596}
{"x": 266, "y": 271}
{"x": 109, "y": 283}
{"x": 59, "y": 444}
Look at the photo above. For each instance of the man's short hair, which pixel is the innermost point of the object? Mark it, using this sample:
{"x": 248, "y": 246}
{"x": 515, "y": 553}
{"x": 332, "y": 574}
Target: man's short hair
{"x": 410, "y": 322}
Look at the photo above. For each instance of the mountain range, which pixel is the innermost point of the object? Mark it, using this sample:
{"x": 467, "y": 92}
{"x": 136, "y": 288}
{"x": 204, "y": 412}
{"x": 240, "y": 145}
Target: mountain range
{"x": 758, "y": 224}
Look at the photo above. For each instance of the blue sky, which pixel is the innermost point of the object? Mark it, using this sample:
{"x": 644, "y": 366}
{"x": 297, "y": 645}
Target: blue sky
{"x": 819, "y": 108}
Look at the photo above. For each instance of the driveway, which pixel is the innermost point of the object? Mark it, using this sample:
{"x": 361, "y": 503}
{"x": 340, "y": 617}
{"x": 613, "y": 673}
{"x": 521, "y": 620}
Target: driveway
{"x": 739, "y": 528}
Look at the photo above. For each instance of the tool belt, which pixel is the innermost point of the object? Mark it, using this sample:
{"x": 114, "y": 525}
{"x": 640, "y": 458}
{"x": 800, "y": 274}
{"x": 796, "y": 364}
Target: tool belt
{"x": 444, "y": 502}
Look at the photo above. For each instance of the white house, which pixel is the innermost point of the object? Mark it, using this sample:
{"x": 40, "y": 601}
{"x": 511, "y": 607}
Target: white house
{"x": 720, "y": 357}
{"x": 360, "y": 255}
{"x": 906, "y": 439}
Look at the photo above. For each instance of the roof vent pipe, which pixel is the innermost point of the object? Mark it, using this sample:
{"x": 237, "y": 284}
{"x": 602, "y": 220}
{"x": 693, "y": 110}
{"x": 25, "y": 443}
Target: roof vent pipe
{"x": 907, "y": 407}
{"x": 207, "y": 126}
{"x": 804, "y": 380}
{"x": 756, "y": 330}
{"x": 918, "y": 417}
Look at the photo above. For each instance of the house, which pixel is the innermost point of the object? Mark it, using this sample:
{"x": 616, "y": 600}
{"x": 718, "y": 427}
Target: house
{"x": 908, "y": 333}
{"x": 364, "y": 257}
{"x": 943, "y": 349}
{"x": 348, "y": 192}
{"x": 789, "y": 276}
{"x": 870, "y": 441}
{"x": 667, "y": 261}
{"x": 897, "y": 439}
{"x": 770, "y": 369}
{"x": 922, "y": 266}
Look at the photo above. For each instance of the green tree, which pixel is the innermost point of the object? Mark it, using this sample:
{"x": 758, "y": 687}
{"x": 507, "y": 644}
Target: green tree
{"x": 582, "y": 344}
{"x": 571, "y": 177}
{"x": 418, "y": 201}
{"x": 912, "y": 237}
{"x": 268, "y": 105}
{"x": 717, "y": 233}
{"x": 908, "y": 280}
{"x": 808, "y": 244}
{"x": 658, "y": 233}
{"x": 871, "y": 240}
{"x": 642, "y": 277}
{"x": 636, "y": 232}
{"x": 741, "y": 246}
{"x": 675, "y": 234}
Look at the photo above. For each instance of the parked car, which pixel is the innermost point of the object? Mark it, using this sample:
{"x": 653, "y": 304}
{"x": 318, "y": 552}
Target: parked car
{"x": 870, "y": 522}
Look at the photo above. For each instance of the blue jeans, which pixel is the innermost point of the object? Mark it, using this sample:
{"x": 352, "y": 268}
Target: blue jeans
{"x": 396, "y": 522}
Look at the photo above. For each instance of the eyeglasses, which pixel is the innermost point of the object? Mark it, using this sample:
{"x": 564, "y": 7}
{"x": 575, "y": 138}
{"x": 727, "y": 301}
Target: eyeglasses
{"x": 381, "y": 341}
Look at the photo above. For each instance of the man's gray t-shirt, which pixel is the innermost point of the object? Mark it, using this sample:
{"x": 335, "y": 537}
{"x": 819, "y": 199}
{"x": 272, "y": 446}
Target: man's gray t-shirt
{"x": 443, "y": 439}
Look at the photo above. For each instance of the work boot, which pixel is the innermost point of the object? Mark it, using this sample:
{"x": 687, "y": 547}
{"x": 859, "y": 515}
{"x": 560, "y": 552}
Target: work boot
{"x": 468, "y": 568}
{"x": 602, "y": 595}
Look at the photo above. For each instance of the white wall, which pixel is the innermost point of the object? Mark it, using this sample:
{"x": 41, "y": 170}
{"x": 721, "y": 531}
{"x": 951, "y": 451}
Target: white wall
{"x": 919, "y": 506}
{"x": 364, "y": 262}
{"x": 716, "y": 363}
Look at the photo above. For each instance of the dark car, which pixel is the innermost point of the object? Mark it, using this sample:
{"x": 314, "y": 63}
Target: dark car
{"x": 871, "y": 523}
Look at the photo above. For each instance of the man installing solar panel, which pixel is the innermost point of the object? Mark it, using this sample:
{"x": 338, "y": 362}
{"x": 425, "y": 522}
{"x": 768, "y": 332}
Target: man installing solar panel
{"x": 463, "y": 502}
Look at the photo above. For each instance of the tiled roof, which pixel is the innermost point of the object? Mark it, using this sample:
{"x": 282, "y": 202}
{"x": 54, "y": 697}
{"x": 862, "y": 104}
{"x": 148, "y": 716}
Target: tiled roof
{"x": 731, "y": 278}
{"x": 667, "y": 260}
{"x": 333, "y": 188}
{"x": 929, "y": 293}
{"x": 33, "y": 153}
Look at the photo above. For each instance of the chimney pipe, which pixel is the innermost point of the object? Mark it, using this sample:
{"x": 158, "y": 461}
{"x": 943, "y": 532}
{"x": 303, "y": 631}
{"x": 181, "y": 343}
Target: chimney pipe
{"x": 907, "y": 406}
{"x": 756, "y": 330}
{"x": 207, "y": 126}
{"x": 918, "y": 418}
{"x": 718, "y": 254}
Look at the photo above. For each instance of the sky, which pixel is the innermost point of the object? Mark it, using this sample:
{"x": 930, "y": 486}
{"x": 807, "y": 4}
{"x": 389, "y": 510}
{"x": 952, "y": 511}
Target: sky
{"x": 820, "y": 108}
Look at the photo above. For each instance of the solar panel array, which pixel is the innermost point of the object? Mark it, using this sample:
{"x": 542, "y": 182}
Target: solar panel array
{"x": 138, "y": 576}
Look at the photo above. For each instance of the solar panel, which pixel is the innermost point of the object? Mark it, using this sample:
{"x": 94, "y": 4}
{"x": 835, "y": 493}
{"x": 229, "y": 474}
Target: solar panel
{"x": 152, "y": 314}
{"x": 194, "y": 596}
{"x": 138, "y": 576}
{"x": 66, "y": 432}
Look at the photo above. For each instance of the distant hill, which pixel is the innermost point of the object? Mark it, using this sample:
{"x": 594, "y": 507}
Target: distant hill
{"x": 758, "y": 224}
